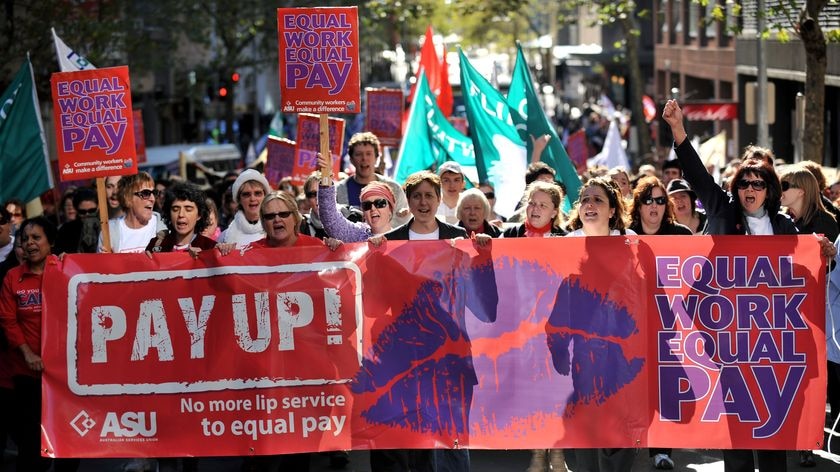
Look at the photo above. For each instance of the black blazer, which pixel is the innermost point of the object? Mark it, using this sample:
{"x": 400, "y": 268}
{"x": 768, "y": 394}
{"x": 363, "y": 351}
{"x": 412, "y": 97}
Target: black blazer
{"x": 489, "y": 229}
{"x": 445, "y": 231}
{"x": 518, "y": 231}
{"x": 724, "y": 215}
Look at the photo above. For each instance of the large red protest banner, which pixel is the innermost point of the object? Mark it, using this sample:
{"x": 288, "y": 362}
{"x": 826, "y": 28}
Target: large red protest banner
{"x": 319, "y": 59}
{"x": 94, "y": 123}
{"x": 383, "y": 116}
{"x": 708, "y": 342}
{"x": 308, "y": 145}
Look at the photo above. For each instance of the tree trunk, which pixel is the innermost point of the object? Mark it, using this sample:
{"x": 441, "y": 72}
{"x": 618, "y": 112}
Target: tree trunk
{"x": 815, "y": 66}
{"x": 631, "y": 31}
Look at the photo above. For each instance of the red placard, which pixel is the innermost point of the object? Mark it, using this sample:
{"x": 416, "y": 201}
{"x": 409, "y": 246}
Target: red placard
{"x": 384, "y": 115}
{"x": 280, "y": 161}
{"x": 319, "y": 59}
{"x": 669, "y": 341}
{"x": 309, "y": 145}
{"x": 94, "y": 123}
{"x": 139, "y": 136}
{"x": 710, "y": 111}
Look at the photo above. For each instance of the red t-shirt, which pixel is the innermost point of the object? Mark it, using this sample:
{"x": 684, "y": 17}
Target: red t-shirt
{"x": 20, "y": 312}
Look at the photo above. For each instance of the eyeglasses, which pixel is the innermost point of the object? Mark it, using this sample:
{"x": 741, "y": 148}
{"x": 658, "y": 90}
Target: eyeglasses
{"x": 786, "y": 186}
{"x": 490, "y": 195}
{"x": 657, "y": 200}
{"x": 311, "y": 194}
{"x": 755, "y": 184}
{"x": 378, "y": 203}
{"x": 17, "y": 214}
{"x": 281, "y": 214}
{"x": 146, "y": 194}
{"x": 89, "y": 211}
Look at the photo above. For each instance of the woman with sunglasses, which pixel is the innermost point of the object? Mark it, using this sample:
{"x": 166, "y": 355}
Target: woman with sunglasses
{"x": 652, "y": 212}
{"x": 281, "y": 223}
{"x": 139, "y": 223}
{"x": 801, "y": 198}
{"x": 753, "y": 209}
{"x": 377, "y": 203}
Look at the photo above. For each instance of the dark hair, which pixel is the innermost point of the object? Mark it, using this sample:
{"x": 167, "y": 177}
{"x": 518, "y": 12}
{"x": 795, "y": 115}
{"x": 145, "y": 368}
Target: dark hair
{"x": 189, "y": 192}
{"x": 765, "y": 170}
{"x": 363, "y": 138}
{"x": 643, "y": 191}
{"x": 759, "y": 153}
{"x": 672, "y": 164}
{"x": 536, "y": 169}
{"x": 5, "y": 216}
{"x": 18, "y": 203}
{"x": 49, "y": 228}
{"x": 616, "y": 201}
{"x": 84, "y": 194}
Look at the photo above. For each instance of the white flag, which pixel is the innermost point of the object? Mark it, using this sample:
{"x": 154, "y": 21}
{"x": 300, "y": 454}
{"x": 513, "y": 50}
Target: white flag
{"x": 613, "y": 153}
{"x": 68, "y": 59}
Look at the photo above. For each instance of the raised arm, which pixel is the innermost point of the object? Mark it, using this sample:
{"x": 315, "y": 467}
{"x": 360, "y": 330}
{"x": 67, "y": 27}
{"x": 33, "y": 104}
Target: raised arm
{"x": 335, "y": 224}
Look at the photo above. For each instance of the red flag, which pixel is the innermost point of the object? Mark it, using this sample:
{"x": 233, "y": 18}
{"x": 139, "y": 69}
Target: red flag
{"x": 437, "y": 73}
{"x": 444, "y": 98}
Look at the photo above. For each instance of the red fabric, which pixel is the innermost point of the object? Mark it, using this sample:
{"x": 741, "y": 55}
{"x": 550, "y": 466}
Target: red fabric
{"x": 437, "y": 74}
{"x": 302, "y": 240}
{"x": 532, "y": 231}
{"x": 20, "y": 312}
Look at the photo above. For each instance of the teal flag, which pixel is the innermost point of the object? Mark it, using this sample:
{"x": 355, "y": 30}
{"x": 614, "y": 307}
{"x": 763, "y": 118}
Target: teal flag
{"x": 499, "y": 150}
{"x": 430, "y": 140}
{"x": 24, "y": 162}
{"x": 532, "y": 121}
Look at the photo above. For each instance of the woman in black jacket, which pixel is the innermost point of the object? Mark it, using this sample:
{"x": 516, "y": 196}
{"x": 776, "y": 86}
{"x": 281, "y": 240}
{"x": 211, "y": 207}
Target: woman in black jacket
{"x": 801, "y": 198}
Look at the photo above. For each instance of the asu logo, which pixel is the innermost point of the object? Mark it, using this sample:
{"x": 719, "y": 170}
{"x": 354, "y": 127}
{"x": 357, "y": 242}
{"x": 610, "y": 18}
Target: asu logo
{"x": 129, "y": 425}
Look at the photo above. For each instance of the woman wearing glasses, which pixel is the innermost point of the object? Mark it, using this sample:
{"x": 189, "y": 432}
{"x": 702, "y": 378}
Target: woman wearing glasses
{"x": 801, "y": 198}
{"x": 139, "y": 223}
{"x": 281, "y": 223}
{"x": 753, "y": 208}
{"x": 377, "y": 203}
{"x": 652, "y": 212}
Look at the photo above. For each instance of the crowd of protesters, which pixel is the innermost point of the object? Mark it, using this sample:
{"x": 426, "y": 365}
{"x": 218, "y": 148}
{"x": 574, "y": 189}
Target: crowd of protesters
{"x": 246, "y": 211}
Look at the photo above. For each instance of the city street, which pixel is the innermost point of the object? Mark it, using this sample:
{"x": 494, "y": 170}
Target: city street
{"x": 485, "y": 461}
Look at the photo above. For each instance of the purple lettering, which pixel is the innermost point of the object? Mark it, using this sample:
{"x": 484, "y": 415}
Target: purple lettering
{"x": 765, "y": 348}
{"x": 731, "y": 396}
{"x": 115, "y": 132}
{"x": 725, "y": 312}
{"x": 340, "y": 73}
{"x": 699, "y": 347}
{"x": 669, "y": 342}
{"x": 678, "y": 385}
{"x": 786, "y": 312}
{"x": 295, "y": 73}
{"x": 71, "y": 136}
{"x": 667, "y": 272}
{"x": 789, "y": 353}
{"x": 786, "y": 277}
{"x": 732, "y": 352}
{"x": 762, "y": 273}
{"x": 699, "y": 281}
{"x": 752, "y": 311}
{"x": 778, "y": 400}
{"x": 738, "y": 269}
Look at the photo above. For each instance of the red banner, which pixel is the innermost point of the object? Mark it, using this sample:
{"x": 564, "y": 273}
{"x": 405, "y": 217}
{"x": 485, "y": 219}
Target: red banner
{"x": 309, "y": 145}
{"x": 280, "y": 159}
{"x": 695, "y": 342}
{"x": 94, "y": 126}
{"x": 710, "y": 111}
{"x": 384, "y": 115}
{"x": 319, "y": 59}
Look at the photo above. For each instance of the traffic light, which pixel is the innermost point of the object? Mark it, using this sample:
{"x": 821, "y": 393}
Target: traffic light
{"x": 223, "y": 91}
{"x": 234, "y": 77}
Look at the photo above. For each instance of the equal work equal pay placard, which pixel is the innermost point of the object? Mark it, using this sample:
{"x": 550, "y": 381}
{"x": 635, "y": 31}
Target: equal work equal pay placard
{"x": 94, "y": 123}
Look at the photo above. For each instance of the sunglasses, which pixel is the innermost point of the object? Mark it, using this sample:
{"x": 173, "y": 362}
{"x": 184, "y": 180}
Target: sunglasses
{"x": 311, "y": 194}
{"x": 281, "y": 214}
{"x": 786, "y": 186}
{"x": 490, "y": 195}
{"x": 146, "y": 194}
{"x": 378, "y": 203}
{"x": 755, "y": 184}
{"x": 657, "y": 200}
{"x": 89, "y": 211}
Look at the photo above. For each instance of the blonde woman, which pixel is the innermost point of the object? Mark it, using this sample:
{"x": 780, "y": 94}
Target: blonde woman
{"x": 801, "y": 198}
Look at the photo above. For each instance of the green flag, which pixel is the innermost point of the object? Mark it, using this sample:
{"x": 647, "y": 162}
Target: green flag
{"x": 429, "y": 138}
{"x": 499, "y": 150}
{"x": 24, "y": 162}
{"x": 523, "y": 98}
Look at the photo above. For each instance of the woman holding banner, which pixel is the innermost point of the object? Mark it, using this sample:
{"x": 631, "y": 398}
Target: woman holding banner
{"x": 20, "y": 316}
{"x": 754, "y": 209}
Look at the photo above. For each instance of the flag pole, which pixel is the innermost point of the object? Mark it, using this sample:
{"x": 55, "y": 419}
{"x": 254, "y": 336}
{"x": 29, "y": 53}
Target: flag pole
{"x": 325, "y": 143}
{"x": 103, "y": 214}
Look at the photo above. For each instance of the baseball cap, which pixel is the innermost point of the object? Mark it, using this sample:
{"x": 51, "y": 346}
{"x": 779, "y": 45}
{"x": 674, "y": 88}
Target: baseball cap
{"x": 450, "y": 166}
